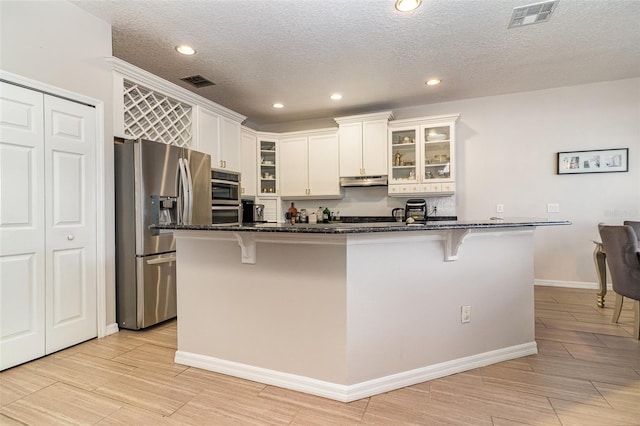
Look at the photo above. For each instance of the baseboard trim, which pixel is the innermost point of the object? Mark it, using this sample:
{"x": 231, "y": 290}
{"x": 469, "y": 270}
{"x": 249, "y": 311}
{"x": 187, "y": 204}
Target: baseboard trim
{"x": 112, "y": 328}
{"x": 570, "y": 284}
{"x": 348, "y": 393}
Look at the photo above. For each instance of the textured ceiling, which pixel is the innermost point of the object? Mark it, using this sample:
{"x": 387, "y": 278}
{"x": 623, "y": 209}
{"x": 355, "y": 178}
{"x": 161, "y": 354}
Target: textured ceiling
{"x": 299, "y": 52}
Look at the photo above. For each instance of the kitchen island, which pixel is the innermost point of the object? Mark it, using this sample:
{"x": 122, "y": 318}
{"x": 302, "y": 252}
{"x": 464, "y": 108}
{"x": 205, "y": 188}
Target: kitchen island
{"x": 346, "y": 311}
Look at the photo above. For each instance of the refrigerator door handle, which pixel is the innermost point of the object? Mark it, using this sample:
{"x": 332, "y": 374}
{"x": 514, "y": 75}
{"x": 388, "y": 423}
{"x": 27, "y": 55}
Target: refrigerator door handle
{"x": 190, "y": 187}
{"x": 184, "y": 191}
{"x": 158, "y": 261}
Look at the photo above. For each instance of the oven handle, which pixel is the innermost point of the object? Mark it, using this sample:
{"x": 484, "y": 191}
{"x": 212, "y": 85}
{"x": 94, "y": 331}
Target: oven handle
{"x": 225, "y": 182}
{"x": 234, "y": 207}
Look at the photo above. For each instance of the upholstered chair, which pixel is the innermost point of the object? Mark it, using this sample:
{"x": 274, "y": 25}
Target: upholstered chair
{"x": 635, "y": 226}
{"x": 621, "y": 245}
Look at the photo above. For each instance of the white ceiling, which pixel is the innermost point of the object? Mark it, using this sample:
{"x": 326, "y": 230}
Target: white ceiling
{"x": 299, "y": 52}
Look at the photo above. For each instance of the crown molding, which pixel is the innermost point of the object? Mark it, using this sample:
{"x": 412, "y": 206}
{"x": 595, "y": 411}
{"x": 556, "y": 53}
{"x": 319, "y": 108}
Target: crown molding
{"x": 153, "y": 82}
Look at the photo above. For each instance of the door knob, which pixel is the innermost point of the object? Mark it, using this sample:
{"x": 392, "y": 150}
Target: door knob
{"x": 70, "y": 237}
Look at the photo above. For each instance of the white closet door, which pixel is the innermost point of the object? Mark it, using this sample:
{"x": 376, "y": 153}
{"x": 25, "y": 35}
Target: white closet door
{"x": 70, "y": 185}
{"x": 22, "y": 226}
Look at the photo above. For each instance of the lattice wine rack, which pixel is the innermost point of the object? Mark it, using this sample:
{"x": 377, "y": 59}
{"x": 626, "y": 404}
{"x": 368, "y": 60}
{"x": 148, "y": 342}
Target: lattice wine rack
{"x": 154, "y": 116}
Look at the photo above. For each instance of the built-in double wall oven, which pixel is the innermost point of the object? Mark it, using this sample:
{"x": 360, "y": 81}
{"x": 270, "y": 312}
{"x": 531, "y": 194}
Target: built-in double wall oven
{"x": 226, "y": 206}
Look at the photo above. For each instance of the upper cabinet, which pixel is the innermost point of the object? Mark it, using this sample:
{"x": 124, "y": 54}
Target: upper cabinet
{"x": 309, "y": 166}
{"x": 363, "y": 144}
{"x": 422, "y": 156}
{"x": 219, "y": 137}
{"x": 147, "y": 106}
{"x": 268, "y": 164}
{"x": 229, "y": 144}
{"x": 248, "y": 161}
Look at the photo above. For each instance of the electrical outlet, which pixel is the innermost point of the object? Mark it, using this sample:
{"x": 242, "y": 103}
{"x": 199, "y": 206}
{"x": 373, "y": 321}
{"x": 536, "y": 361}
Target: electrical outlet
{"x": 499, "y": 208}
{"x": 553, "y": 208}
{"x": 465, "y": 314}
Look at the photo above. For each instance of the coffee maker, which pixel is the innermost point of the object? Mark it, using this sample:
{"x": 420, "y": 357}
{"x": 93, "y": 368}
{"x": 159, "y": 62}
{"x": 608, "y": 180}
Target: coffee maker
{"x": 251, "y": 212}
{"x": 416, "y": 209}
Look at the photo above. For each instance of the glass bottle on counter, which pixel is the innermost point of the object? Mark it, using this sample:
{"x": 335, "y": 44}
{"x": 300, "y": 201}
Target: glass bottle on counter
{"x": 326, "y": 215}
{"x": 319, "y": 214}
{"x": 293, "y": 213}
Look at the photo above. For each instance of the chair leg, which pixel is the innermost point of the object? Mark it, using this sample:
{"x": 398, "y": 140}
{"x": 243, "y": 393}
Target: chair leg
{"x": 618, "y": 308}
{"x": 636, "y": 322}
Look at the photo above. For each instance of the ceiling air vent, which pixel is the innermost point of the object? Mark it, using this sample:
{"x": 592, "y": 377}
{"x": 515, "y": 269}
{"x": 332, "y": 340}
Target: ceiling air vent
{"x": 532, "y": 14}
{"x": 198, "y": 81}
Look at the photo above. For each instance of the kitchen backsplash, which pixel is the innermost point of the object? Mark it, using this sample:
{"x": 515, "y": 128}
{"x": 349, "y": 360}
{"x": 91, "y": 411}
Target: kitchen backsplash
{"x": 372, "y": 201}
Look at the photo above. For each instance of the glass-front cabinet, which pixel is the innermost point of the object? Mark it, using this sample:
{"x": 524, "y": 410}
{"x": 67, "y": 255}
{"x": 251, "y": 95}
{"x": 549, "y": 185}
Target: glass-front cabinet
{"x": 268, "y": 167}
{"x": 422, "y": 156}
{"x": 404, "y": 154}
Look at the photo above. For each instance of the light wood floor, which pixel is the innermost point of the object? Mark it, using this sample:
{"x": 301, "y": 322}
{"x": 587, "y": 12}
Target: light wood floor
{"x": 587, "y": 372}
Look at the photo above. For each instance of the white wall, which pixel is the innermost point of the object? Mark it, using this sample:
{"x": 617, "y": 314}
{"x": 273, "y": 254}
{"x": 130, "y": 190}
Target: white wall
{"x": 507, "y": 147}
{"x": 56, "y": 43}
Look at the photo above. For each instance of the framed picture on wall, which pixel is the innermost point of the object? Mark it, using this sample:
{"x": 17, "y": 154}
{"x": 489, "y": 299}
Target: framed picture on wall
{"x": 596, "y": 161}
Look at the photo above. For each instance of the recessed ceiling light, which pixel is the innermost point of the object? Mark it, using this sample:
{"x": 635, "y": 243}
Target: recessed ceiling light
{"x": 407, "y": 5}
{"x": 433, "y": 82}
{"x": 336, "y": 96}
{"x": 278, "y": 105}
{"x": 185, "y": 50}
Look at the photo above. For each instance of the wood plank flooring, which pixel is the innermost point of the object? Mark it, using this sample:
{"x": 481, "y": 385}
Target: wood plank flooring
{"x": 587, "y": 372}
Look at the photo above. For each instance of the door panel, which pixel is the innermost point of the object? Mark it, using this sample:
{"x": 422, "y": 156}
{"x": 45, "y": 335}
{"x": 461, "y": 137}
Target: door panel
{"x": 158, "y": 300}
{"x": 68, "y": 188}
{"x": 201, "y": 178}
{"x": 323, "y": 165}
{"x": 68, "y": 286}
{"x": 22, "y": 273}
{"x": 374, "y": 149}
{"x": 294, "y": 165}
{"x": 209, "y": 136}
{"x": 70, "y": 132}
{"x": 350, "y": 149}
{"x": 156, "y": 169}
{"x": 21, "y": 309}
{"x": 230, "y": 144}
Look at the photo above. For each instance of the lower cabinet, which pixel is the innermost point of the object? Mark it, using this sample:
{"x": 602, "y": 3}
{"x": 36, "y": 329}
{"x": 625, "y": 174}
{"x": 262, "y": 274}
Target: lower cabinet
{"x": 309, "y": 166}
{"x": 48, "y": 224}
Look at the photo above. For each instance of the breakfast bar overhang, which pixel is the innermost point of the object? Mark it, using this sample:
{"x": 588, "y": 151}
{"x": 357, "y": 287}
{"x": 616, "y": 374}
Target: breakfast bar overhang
{"x": 347, "y": 311}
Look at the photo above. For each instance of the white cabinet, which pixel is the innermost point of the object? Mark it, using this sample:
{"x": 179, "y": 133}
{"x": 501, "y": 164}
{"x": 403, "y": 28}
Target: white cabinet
{"x": 422, "y": 156}
{"x": 268, "y": 165}
{"x": 309, "y": 166}
{"x": 248, "y": 161}
{"x": 324, "y": 178}
{"x": 48, "y": 224}
{"x": 294, "y": 162}
{"x": 219, "y": 137}
{"x": 363, "y": 144}
{"x": 229, "y": 144}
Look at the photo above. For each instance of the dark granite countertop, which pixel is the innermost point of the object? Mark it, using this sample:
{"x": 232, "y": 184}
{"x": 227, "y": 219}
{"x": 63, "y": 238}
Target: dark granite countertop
{"x": 359, "y": 228}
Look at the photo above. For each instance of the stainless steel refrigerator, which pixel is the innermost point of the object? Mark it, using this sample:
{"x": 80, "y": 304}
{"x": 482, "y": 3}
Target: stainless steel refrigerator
{"x": 155, "y": 183}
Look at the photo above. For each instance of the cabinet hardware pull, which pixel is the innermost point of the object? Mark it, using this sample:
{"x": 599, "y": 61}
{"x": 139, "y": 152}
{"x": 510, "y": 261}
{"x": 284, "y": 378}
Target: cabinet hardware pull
{"x": 71, "y": 237}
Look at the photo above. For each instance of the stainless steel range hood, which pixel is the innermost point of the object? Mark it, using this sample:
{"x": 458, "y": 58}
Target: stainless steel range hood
{"x": 364, "y": 181}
